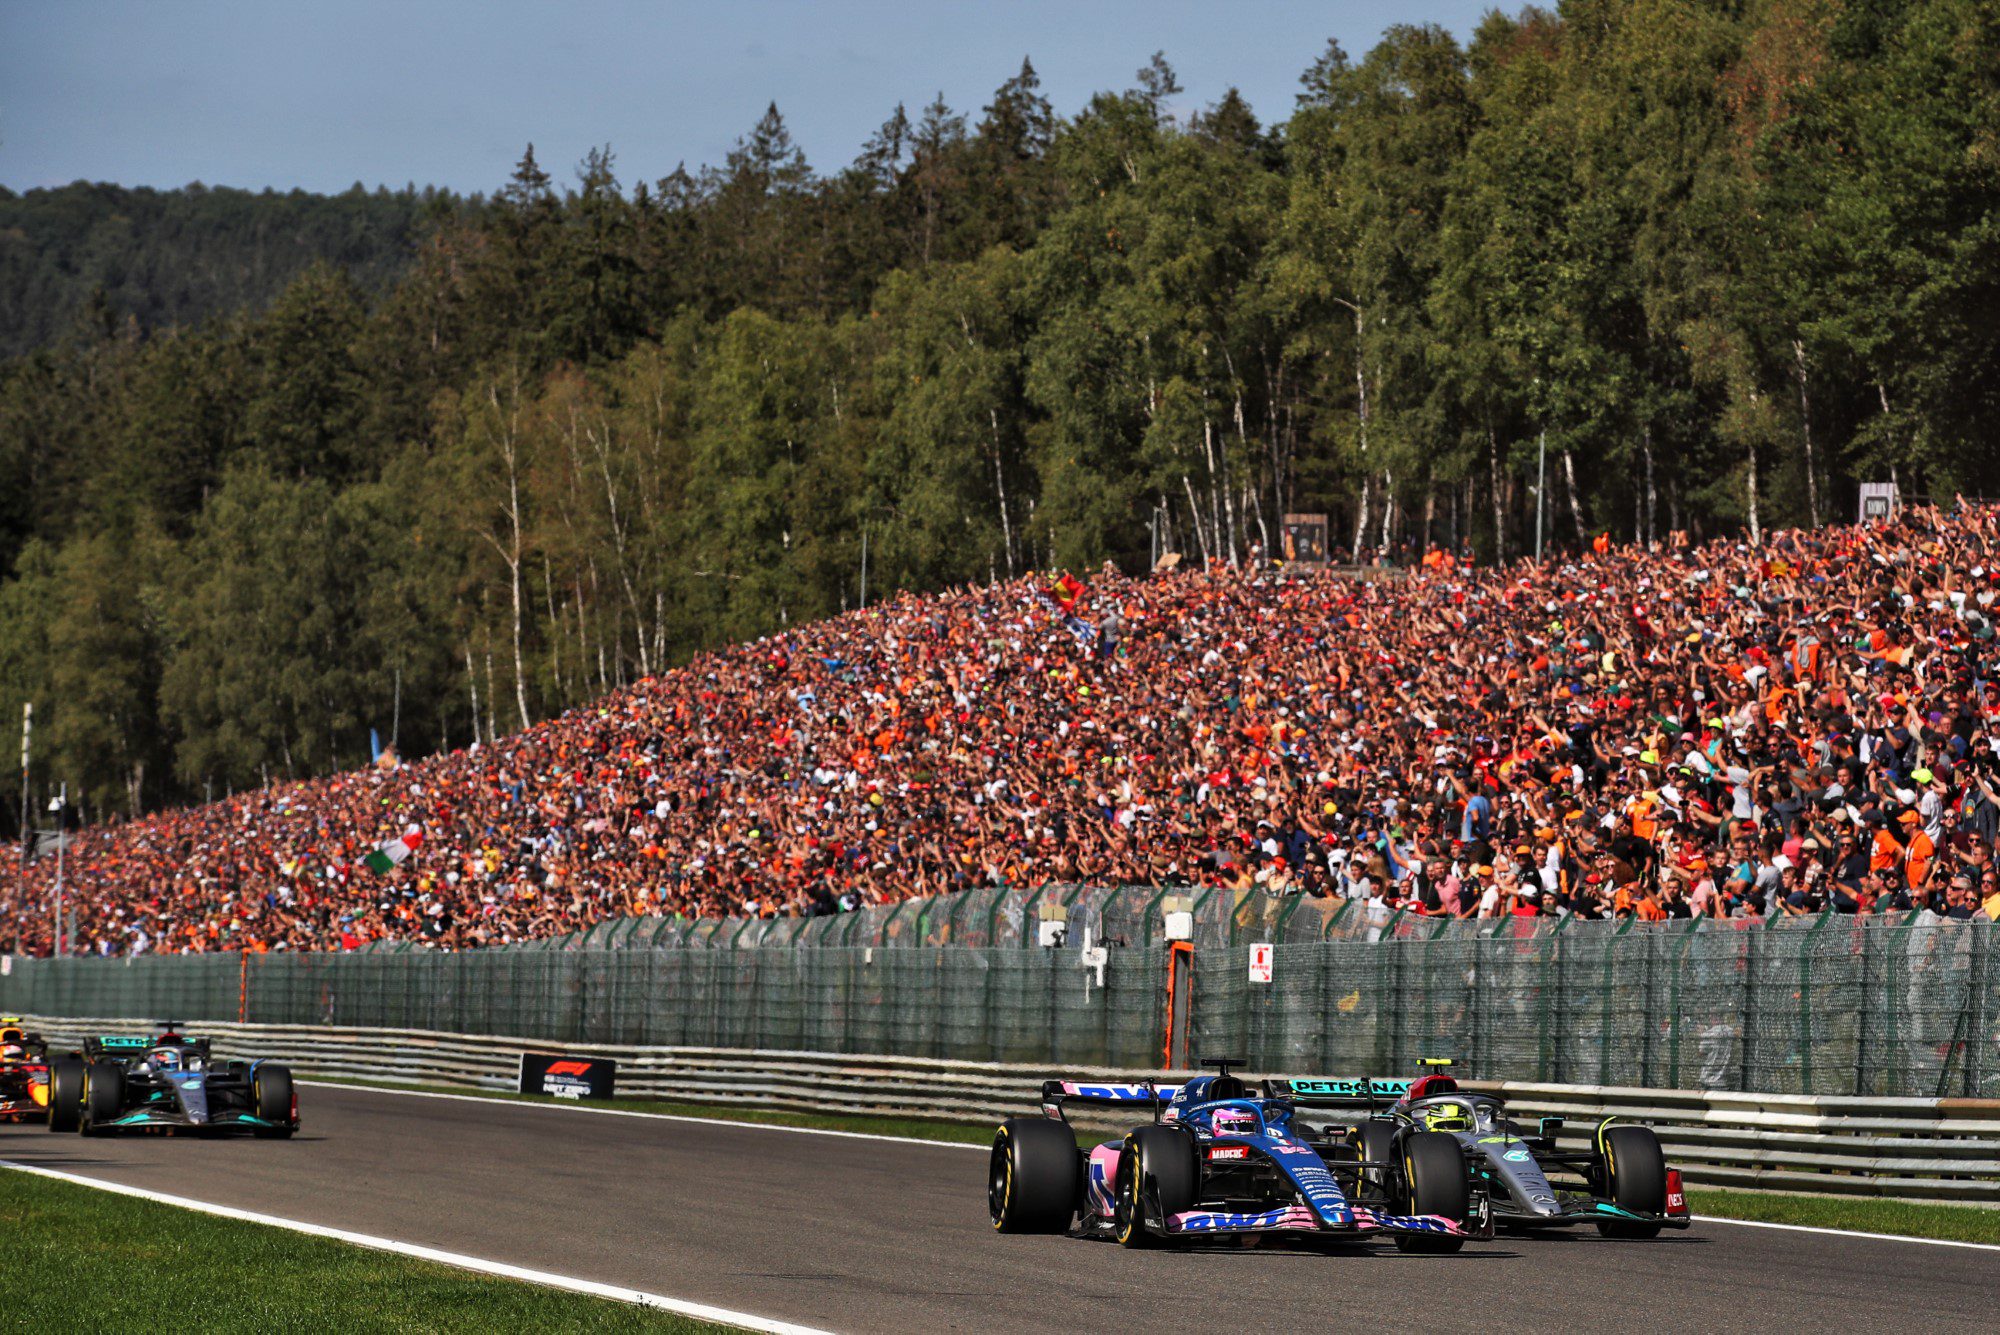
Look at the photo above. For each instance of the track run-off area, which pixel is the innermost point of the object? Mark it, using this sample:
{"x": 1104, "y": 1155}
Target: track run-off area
{"x": 848, "y": 1232}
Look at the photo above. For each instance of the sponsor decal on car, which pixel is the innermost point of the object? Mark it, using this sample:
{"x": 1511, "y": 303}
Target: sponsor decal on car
{"x": 1228, "y": 1153}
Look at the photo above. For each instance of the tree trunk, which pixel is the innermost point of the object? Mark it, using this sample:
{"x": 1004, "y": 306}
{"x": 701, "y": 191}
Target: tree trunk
{"x": 1575, "y": 502}
{"x": 1750, "y": 488}
{"x": 492, "y": 724}
{"x": 1000, "y": 490}
{"x": 1805, "y": 431}
{"x": 472, "y": 681}
{"x": 1499, "y": 510}
{"x": 1194, "y": 514}
{"x": 1649, "y": 532}
{"x": 1361, "y": 421}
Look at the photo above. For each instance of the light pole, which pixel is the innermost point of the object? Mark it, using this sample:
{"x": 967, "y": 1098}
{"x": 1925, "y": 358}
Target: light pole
{"x": 27, "y": 738}
{"x": 57, "y": 806}
{"x": 1541, "y": 489}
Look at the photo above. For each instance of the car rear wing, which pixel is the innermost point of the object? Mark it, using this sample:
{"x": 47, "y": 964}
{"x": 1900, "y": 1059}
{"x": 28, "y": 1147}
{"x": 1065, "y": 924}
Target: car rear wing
{"x": 1145, "y": 1096}
{"x": 1349, "y": 1091}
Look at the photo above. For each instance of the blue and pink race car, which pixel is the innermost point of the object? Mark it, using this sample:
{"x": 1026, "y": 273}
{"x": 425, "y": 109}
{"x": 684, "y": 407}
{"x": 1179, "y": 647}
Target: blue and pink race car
{"x": 1217, "y": 1160}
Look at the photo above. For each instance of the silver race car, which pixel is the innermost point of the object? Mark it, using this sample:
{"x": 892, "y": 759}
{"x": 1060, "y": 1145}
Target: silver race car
{"x": 1620, "y": 1183}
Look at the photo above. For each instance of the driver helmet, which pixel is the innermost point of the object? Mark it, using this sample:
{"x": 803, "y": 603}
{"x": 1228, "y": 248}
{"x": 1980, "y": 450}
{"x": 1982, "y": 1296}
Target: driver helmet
{"x": 1447, "y": 1117}
{"x": 167, "y": 1059}
{"x": 1232, "y": 1119}
{"x": 12, "y": 1052}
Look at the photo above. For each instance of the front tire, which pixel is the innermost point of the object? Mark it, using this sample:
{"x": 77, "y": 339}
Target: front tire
{"x": 1165, "y": 1157}
{"x": 271, "y": 1098}
{"x": 1434, "y": 1183}
{"x": 65, "y": 1094}
{"x": 1034, "y": 1176}
{"x": 103, "y": 1097}
{"x": 1635, "y": 1178}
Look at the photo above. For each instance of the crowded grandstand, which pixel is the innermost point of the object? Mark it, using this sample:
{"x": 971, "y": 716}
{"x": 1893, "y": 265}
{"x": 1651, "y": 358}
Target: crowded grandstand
{"x": 1668, "y": 732}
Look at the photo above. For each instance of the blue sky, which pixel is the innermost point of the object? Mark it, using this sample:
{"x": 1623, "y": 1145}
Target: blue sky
{"x": 285, "y": 93}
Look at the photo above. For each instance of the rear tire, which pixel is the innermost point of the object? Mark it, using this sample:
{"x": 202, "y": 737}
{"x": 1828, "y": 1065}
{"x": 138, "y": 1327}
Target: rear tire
{"x": 65, "y": 1094}
{"x": 1635, "y": 1178}
{"x": 1434, "y": 1183}
{"x": 271, "y": 1099}
{"x": 103, "y": 1097}
{"x": 1166, "y": 1156}
{"x": 1033, "y": 1177}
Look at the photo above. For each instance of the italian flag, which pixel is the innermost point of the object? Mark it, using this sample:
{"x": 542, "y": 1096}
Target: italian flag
{"x": 390, "y": 854}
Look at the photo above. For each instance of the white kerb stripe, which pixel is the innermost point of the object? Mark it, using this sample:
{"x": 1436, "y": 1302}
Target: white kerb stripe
{"x": 640, "y": 1297}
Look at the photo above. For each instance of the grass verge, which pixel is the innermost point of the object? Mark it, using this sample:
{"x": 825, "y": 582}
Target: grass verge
{"x": 1909, "y": 1219}
{"x": 1957, "y": 1223}
{"x": 79, "y": 1254}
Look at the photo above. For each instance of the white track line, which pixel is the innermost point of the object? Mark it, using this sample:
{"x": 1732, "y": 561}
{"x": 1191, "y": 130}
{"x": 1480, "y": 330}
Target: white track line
{"x": 1848, "y": 1233}
{"x": 565, "y": 1106}
{"x": 699, "y": 1311}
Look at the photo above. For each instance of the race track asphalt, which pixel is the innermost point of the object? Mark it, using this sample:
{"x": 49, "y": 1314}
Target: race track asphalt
{"x": 868, "y": 1235}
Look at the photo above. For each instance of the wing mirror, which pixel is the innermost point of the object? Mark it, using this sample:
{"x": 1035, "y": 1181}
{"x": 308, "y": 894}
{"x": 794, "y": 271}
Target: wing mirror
{"x": 1551, "y": 1125}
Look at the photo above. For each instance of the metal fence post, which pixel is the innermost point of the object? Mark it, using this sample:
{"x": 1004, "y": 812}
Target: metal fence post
{"x": 1753, "y": 955}
{"x": 1976, "y": 1038}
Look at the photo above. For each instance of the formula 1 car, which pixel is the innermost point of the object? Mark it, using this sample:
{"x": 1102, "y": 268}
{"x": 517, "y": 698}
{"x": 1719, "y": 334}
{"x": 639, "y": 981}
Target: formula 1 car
{"x": 1621, "y": 1183}
{"x": 1218, "y": 1162}
{"x": 24, "y": 1073}
{"x": 169, "y": 1082}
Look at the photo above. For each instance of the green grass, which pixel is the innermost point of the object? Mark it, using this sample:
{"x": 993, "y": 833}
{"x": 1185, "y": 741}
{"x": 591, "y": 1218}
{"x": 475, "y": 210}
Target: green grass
{"x": 79, "y": 1256}
{"x": 1959, "y": 1223}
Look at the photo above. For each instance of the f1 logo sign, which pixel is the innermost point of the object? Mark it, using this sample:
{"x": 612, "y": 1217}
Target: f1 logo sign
{"x": 1260, "y": 962}
{"x": 569, "y": 1068}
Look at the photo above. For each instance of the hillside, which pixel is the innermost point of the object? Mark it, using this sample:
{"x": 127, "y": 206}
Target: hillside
{"x": 180, "y": 257}
{"x": 1568, "y": 737}
{"x": 1664, "y": 275}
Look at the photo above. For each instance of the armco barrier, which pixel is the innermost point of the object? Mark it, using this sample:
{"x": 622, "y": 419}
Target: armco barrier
{"x": 1938, "y": 1149}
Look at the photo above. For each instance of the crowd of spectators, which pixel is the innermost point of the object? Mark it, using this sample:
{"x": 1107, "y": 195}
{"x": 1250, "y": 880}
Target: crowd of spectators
{"x": 1719, "y": 730}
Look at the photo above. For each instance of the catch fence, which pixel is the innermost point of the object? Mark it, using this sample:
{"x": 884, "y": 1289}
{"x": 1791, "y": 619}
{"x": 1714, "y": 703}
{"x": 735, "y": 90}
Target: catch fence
{"x": 1811, "y": 1005}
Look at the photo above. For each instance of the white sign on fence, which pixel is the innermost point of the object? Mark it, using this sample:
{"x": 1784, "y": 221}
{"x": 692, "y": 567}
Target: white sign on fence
{"x": 1260, "y": 962}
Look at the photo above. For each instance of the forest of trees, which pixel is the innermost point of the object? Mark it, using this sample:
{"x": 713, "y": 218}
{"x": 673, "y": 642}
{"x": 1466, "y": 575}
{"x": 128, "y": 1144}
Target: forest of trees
{"x": 160, "y": 258}
{"x": 1728, "y": 259}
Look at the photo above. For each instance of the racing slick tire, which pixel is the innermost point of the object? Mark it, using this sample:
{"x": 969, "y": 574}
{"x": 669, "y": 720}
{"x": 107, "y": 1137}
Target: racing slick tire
{"x": 1035, "y": 1177}
{"x": 271, "y": 1099}
{"x": 103, "y": 1095}
{"x": 1164, "y": 1155}
{"x": 1635, "y": 1178}
{"x": 65, "y": 1094}
{"x": 1434, "y": 1182}
{"x": 1377, "y": 1144}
